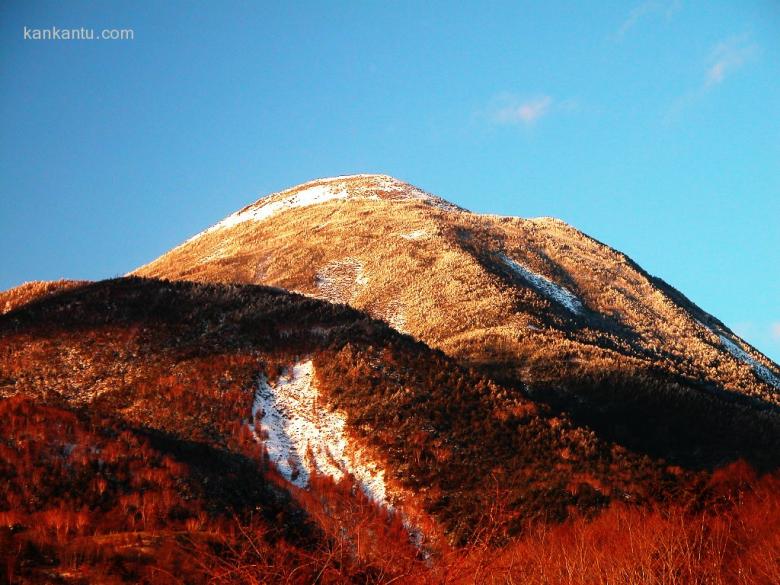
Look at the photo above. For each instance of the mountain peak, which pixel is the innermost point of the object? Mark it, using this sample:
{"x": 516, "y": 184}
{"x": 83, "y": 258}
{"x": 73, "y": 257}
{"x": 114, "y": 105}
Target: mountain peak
{"x": 339, "y": 188}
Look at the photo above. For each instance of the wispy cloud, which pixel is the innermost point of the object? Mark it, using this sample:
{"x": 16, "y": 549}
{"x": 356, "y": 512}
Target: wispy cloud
{"x": 775, "y": 330}
{"x": 512, "y": 111}
{"x": 523, "y": 110}
{"x": 647, "y": 8}
{"x": 724, "y": 59}
{"x": 729, "y": 56}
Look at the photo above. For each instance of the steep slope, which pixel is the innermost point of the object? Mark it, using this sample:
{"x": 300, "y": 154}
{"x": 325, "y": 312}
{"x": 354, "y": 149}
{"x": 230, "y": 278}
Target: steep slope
{"x": 535, "y": 304}
{"x": 326, "y": 391}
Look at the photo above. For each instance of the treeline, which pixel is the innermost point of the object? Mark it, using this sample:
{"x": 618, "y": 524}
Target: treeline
{"x": 30, "y": 291}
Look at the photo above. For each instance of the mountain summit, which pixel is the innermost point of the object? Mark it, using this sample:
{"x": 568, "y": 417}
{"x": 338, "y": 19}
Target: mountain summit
{"x": 343, "y": 188}
{"x": 533, "y": 303}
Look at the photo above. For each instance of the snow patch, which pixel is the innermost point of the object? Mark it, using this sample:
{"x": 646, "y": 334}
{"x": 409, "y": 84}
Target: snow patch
{"x": 761, "y": 370}
{"x": 302, "y": 436}
{"x": 263, "y": 210}
{"x": 545, "y": 286}
{"x": 398, "y": 322}
{"x": 395, "y": 317}
{"x": 365, "y": 187}
{"x": 416, "y": 235}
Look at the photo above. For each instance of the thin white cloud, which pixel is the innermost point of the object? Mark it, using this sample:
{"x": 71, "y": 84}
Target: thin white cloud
{"x": 729, "y": 56}
{"x": 725, "y": 58}
{"x": 647, "y": 8}
{"x": 775, "y": 330}
{"x": 511, "y": 111}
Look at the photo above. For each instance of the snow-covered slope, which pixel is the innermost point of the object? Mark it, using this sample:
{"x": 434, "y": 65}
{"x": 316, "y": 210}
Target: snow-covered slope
{"x": 761, "y": 370}
{"x": 545, "y": 286}
{"x": 301, "y": 435}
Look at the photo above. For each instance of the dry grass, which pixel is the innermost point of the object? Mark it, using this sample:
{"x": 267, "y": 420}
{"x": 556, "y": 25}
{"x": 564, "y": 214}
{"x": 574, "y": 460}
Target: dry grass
{"x": 738, "y": 544}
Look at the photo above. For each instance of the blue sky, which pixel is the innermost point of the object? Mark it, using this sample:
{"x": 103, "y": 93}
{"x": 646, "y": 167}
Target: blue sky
{"x": 653, "y": 126}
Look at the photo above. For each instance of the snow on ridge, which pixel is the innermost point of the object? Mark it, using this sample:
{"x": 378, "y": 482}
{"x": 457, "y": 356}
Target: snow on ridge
{"x": 408, "y": 191}
{"x": 266, "y": 207}
{"x": 547, "y": 219}
{"x": 323, "y": 190}
{"x": 302, "y": 436}
{"x": 760, "y": 369}
{"x": 545, "y": 286}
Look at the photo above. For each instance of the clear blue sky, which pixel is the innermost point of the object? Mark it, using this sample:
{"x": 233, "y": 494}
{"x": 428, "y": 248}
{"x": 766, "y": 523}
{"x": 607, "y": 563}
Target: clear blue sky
{"x": 652, "y": 125}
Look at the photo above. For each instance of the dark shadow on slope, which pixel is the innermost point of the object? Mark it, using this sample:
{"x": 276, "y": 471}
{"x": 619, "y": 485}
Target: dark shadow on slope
{"x": 598, "y": 329}
{"x": 233, "y": 483}
{"x": 695, "y": 426}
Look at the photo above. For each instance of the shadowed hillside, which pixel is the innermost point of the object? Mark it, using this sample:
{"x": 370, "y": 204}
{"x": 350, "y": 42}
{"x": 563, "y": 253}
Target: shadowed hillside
{"x": 131, "y": 453}
{"x": 183, "y": 359}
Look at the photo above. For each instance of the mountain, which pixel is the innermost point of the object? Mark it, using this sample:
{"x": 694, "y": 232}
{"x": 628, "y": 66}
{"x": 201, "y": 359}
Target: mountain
{"x": 534, "y": 304}
{"x": 354, "y": 381}
{"x": 137, "y": 411}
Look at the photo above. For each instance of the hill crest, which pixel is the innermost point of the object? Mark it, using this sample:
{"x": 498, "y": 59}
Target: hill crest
{"x": 338, "y": 188}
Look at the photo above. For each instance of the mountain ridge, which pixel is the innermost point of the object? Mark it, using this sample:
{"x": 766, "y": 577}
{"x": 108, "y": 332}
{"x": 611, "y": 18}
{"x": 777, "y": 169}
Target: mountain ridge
{"x": 533, "y": 303}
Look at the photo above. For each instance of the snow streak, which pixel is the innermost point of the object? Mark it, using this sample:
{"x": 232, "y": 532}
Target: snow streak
{"x": 262, "y": 211}
{"x": 302, "y": 436}
{"x": 761, "y": 370}
{"x": 545, "y": 286}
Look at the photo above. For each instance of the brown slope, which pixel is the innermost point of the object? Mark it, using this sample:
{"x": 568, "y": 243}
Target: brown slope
{"x": 534, "y": 303}
{"x": 181, "y": 360}
{"x": 29, "y": 291}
